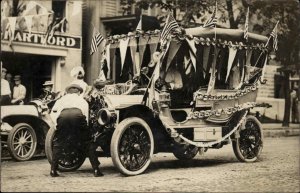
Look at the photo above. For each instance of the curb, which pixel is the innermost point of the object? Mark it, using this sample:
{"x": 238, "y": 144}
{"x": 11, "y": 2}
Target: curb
{"x": 281, "y": 132}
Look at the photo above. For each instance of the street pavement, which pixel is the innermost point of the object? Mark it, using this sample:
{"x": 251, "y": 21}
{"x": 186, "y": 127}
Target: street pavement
{"x": 215, "y": 171}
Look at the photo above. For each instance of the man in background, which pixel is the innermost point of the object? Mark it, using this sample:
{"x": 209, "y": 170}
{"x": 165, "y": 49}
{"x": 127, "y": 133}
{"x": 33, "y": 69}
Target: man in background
{"x": 8, "y": 77}
{"x": 19, "y": 91}
{"x": 5, "y": 89}
{"x": 48, "y": 93}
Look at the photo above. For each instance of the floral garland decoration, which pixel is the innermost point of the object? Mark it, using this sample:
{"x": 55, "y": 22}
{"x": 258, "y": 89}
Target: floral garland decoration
{"x": 219, "y": 112}
{"x": 239, "y": 93}
{"x": 209, "y": 143}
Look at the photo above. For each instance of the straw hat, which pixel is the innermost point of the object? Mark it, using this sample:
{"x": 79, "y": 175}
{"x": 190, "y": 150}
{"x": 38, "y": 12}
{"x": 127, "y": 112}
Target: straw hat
{"x": 48, "y": 83}
{"x": 17, "y": 77}
{"x": 74, "y": 86}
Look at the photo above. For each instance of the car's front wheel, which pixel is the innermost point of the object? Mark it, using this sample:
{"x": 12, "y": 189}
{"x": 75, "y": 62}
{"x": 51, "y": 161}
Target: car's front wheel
{"x": 132, "y": 146}
{"x": 22, "y": 142}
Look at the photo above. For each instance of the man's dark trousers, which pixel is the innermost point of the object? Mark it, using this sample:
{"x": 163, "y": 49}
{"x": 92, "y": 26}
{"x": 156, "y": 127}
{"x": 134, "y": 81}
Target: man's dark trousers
{"x": 72, "y": 132}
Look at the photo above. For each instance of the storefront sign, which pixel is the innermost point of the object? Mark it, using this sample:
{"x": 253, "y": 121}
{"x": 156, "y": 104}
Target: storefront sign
{"x": 56, "y": 40}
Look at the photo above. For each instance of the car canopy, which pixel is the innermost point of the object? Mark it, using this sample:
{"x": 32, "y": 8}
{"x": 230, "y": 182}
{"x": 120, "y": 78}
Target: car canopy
{"x": 226, "y": 34}
{"x": 126, "y": 54}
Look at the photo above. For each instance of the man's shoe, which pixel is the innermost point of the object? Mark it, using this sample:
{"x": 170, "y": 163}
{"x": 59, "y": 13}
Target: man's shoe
{"x": 97, "y": 173}
{"x": 53, "y": 173}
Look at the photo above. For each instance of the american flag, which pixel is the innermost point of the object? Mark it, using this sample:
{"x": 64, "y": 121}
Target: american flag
{"x": 212, "y": 22}
{"x": 246, "y": 25}
{"x": 170, "y": 25}
{"x": 96, "y": 41}
{"x": 274, "y": 35}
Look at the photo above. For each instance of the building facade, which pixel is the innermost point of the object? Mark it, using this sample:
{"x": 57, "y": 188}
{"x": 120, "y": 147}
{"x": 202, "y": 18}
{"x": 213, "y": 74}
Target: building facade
{"x": 109, "y": 18}
{"x": 34, "y": 55}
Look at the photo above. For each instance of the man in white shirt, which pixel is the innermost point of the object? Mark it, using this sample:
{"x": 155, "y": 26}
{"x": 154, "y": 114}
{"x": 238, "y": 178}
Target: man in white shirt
{"x": 5, "y": 89}
{"x": 19, "y": 92}
{"x": 70, "y": 100}
{"x": 70, "y": 116}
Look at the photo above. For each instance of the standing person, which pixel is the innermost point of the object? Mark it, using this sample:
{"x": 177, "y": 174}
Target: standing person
{"x": 19, "y": 91}
{"x": 8, "y": 77}
{"x": 5, "y": 89}
{"x": 70, "y": 115}
{"x": 294, "y": 106}
{"x": 78, "y": 74}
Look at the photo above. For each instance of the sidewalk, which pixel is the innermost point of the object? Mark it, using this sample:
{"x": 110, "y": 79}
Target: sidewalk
{"x": 277, "y": 130}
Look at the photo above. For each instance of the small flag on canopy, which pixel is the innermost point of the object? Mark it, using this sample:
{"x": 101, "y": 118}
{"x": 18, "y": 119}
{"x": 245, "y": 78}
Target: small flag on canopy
{"x": 275, "y": 36}
{"x": 96, "y": 41}
{"x": 212, "y": 21}
{"x": 246, "y": 25}
{"x": 139, "y": 26}
{"x": 170, "y": 25}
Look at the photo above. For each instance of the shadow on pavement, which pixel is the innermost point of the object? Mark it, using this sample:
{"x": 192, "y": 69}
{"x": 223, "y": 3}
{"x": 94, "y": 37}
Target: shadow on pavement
{"x": 188, "y": 164}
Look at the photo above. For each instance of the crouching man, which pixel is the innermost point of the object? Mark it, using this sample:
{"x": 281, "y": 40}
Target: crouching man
{"x": 70, "y": 115}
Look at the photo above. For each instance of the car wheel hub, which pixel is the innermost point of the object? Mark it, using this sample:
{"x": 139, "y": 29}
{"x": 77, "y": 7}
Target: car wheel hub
{"x": 22, "y": 141}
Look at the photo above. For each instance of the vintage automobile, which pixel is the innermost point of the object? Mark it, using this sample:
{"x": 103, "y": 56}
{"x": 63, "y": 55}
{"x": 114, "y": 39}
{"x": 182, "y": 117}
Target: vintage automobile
{"x": 220, "y": 73}
{"x": 24, "y": 128}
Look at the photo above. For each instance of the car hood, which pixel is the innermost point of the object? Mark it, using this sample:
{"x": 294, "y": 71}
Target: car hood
{"x": 122, "y": 101}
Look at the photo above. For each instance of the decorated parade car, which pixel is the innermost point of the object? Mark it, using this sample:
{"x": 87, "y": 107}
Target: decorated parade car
{"x": 24, "y": 128}
{"x": 143, "y": 111}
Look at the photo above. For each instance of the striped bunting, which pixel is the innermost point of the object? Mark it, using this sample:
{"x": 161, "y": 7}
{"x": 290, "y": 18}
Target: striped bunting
{"x": 212, "y": 22}
{"x": 170, "y": 25}
{"x": 246, "y": 33}
{"x": 275, "y": 36}
{"x": 96, "y": 41}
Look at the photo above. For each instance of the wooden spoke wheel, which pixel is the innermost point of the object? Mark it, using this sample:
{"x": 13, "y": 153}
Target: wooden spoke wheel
{"x": 132, "y": 146}
{"x": 22, "y": 142}
{"x": 248, "y": 146}
{"x": 71, "y": 160}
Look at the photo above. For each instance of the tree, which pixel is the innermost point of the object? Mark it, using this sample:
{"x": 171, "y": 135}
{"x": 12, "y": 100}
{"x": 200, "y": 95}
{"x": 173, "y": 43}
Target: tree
{"x": 233, "y": 12}
{"x": 288, "y": 13}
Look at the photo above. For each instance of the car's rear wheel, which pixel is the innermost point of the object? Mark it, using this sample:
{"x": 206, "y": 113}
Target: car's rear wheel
{"x": 22, "y": 142}
{"x": 72, "y": 160}
{"x": 248, "y": 147}
{"x": 132, "y": 146}
{"x": 185, "y": 152}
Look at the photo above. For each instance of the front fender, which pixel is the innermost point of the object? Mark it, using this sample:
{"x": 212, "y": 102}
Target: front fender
{"x": 18, "y": 110}
{"x": 15, "y": 114}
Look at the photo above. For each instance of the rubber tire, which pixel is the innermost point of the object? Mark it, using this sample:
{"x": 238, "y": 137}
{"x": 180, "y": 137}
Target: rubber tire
{"x": 10, "y": 140}
{"x": 235, "y": 143}
{"x": 120, "y": 129}
{"x": 48, "y": 152}
{"x": 179, "y": 154}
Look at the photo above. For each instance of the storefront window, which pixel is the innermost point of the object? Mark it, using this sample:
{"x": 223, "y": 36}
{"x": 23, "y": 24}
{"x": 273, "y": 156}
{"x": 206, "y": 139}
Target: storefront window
{"x": 59, "y": 8}
{"x": 34, "y": 70}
